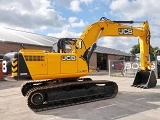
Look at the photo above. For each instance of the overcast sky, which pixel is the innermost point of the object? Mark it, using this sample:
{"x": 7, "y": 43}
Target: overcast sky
{"x": 68, "y": 18}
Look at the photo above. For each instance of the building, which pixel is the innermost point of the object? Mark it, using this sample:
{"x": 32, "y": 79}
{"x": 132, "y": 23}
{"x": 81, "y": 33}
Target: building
{"x": 102, "y": 55}
{"x": 14, "y": 40}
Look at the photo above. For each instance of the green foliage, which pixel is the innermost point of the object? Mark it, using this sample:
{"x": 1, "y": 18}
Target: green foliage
{"x": 135, "y": 49}
{"x": 153, "y": 50}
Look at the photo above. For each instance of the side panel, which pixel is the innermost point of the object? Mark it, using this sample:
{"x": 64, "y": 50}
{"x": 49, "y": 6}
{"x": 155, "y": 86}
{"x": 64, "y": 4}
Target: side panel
{"x": 68, "y": 63}
{"x": 82, "y": 66}
{"x": 36, "y": 63}
{"x": 19, "y": 67}
{"x": 54, "y": 63}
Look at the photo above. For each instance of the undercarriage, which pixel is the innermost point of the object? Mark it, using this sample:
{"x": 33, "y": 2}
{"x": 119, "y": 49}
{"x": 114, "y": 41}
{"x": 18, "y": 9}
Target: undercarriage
{"x": 45, "y": 95}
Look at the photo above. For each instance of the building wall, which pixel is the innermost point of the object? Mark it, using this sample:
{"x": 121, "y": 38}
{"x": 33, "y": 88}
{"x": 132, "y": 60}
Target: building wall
{"x": 114, "y": 57}
{"x": 93, "y": 60}
{"x": 6, "y": 47}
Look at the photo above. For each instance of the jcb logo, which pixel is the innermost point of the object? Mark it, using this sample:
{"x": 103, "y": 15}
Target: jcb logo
{"x": 68, "y": 58}
{"x": 125, "y": 31}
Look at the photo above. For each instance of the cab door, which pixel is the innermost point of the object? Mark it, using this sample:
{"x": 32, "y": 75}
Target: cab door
{"x": 68, "y": 63}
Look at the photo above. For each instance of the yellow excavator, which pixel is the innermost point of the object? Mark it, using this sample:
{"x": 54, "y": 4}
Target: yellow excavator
{"x": 56, "y": 79}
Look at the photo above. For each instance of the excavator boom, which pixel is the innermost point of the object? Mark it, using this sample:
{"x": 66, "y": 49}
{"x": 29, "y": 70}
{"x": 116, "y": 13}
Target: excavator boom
{"x": 106, "y": 27}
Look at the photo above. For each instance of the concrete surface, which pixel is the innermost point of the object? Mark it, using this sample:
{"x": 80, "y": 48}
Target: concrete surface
{"x": 130, "y": 104}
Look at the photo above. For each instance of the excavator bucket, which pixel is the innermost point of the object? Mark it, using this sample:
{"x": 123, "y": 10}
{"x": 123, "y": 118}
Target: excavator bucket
{"x": 145, "y": 79}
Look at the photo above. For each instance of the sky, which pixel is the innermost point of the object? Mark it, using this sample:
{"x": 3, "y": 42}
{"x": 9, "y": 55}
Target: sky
{"x": 68, "y": 18}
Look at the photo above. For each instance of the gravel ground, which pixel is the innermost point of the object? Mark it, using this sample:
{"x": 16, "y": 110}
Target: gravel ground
{"x": 130, "y": 104}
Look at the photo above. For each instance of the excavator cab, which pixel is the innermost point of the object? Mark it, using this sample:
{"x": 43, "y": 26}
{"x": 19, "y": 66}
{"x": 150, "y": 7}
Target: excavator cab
{"x": 145, "y": 79}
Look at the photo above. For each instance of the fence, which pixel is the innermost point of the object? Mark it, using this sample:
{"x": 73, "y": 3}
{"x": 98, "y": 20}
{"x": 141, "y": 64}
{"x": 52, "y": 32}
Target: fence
{"x": 122, "y": 68}
{"x": 116, "y": 67}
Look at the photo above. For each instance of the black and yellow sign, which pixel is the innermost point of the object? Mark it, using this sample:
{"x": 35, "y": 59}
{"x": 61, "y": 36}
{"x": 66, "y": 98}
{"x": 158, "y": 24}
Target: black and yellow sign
{"x": 14, "y": 66}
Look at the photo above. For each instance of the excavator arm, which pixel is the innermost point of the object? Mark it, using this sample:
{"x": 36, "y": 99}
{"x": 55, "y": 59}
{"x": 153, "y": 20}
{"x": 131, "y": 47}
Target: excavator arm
{"x": 145, "y": 77}
{"x": 106, "y": 27}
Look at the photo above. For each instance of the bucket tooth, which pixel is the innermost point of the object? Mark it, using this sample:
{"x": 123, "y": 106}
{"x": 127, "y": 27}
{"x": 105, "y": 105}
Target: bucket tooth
{"x": 133, "y": 85}
{"x": 143, "y": 86}
{"x": 138, "y": 86}
{"x": 145, "y": 79}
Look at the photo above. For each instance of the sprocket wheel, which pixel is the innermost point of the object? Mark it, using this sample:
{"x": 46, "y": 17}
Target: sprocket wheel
{"x": 37, "y": 98}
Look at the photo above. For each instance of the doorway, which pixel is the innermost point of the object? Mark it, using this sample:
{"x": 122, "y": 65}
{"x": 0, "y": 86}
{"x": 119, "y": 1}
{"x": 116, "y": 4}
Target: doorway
{"x": 102, "y": 61}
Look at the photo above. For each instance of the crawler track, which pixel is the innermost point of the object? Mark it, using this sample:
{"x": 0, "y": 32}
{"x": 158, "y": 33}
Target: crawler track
{"x": 55, "y": 95}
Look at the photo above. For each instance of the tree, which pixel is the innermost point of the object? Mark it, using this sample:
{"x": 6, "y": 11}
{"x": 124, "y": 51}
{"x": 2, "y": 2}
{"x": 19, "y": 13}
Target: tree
{"x": 136, "y": 49}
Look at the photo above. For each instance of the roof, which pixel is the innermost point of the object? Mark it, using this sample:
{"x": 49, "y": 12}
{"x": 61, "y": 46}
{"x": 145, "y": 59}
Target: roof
{"x": 17, "y": 36}
{"x": 10, "y": 35}
{"x": 106, "y": 50}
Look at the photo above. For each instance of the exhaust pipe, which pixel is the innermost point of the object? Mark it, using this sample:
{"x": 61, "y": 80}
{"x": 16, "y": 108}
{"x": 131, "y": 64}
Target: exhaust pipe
{"x": 145, "y": 79}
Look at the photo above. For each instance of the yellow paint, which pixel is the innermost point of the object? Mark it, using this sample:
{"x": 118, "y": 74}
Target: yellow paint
{"x": 14, "y": 59}
{"x": 54, "y": 65}
{"x": 37, "y": 67}
{"x": 93, "y": 32}
{"x": 14, "y": 63}
{"x": 14, "y": 69}
{"x": 68, "y": 66}
{"x": 14, "y": 74}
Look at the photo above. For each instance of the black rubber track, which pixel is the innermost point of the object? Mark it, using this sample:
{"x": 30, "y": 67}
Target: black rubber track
{"x": 26, "y": 86}
{"x": 109, "y": 90}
